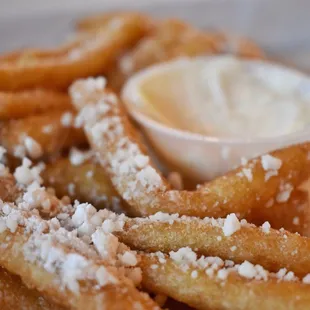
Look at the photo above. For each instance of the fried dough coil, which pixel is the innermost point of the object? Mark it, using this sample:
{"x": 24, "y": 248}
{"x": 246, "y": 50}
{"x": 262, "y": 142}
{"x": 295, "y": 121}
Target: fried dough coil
{"x": 173, "y": 38}
{"x": 25, "y": 103}
{"x": 46, "y": 129}
{"x": 57, "y": 69}
{"x": 96, "y": 22}
{"x": 111, "y": 134}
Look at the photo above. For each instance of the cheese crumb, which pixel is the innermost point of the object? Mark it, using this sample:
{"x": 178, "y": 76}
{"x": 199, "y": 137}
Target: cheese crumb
{"x": 129, "y": 259}
{"x": 164, "y": 217}
{"x": 266, "y": 228}
{"x": 231, "y": 225}
{"x": 296, "y": 220}
{"x": 184, "y": 255}
{"x": 285, "y": 192}
{"x": 104, "y": 277}
{"x": 66, "y": 119}
{"x": 33, "y": 148}
{"x": 78, "y": 157}
{"x": 19, "y": 151}
{"x": 47, "y": 129}
{"x": 270, "y": 162}
{"x": 105, "y": 244}
{"x": 95, "y": 84}
{"x": 306, "y": 279}
{"x": 248, "y": 174}
{"x": 222, "y": 274}
{"x": 25, "y": 175}
{"x": 247, "y": 270}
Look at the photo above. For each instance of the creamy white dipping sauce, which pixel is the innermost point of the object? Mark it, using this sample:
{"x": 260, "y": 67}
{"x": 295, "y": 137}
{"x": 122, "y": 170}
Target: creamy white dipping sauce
{"x": 224, "y": 96}
{"x": 245, "y": 101}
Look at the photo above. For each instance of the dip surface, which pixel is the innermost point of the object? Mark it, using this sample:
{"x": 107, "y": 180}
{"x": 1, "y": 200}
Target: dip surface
{"x": 223, "y": 96}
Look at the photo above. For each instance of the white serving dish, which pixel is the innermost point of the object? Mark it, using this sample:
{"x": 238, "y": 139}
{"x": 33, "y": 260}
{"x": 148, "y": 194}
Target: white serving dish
{"x": 200, "y": 156}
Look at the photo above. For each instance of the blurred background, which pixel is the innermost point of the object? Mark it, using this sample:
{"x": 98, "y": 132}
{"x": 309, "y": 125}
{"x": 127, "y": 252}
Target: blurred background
{"x": 281, "y": 27}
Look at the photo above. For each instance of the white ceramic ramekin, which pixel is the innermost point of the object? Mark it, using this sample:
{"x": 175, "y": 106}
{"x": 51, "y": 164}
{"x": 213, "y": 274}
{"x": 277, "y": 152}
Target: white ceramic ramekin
{"x": 200, "y": 157}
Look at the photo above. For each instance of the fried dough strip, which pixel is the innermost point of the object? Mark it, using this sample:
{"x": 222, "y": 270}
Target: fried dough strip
{"x": 293, "y": 215}
{"x": 14, "y": 295}
{"x": 272, "y": 249}
{"x": 111, "y": 134}
{"x": 24, "y": 239}
{"x": 24, "y": 103}
{"x": 90, "y": 297}
{"x": 92, "y": 184}
{"x": 58, "y": 69}
{"x": 235, "y": 293}
{"x": 173, "y": 38}
{"x": 46, "y": 129}
{"x": 89, "y": 180}
{"x": 96, "y": 22}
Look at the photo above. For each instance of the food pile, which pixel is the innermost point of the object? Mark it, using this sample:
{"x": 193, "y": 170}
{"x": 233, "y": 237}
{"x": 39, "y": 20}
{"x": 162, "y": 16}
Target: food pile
{"x": 88, "y": 221}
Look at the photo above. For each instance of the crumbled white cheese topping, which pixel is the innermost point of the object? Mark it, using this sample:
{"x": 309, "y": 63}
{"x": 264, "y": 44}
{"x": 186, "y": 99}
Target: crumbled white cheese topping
{"x": 19, "y": 151}
{"x": 231, "y": 225}
{"x": 78, "y": 157}
{"x": 266, "y": 227}
{"x": 164, "y": 217}
{"x": 106, "y": 244}
{"x": 248, "y": 174}
{"x": 285, "y": 192}
{"x": 33, "y": 148}
{"x": 296, "y": 220}
{"x": 129, "y": 259}
{"x": 47, "y": 129}
{"x": 270, "y": 162}
{"x": 306, "y": 279}
{"x": 271, "y": 165}
{"x": 95, "y": 84}
{"x": 250, "y": 271}
{"x": 66, "y": 119}
{"x": 25, "y": 175}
